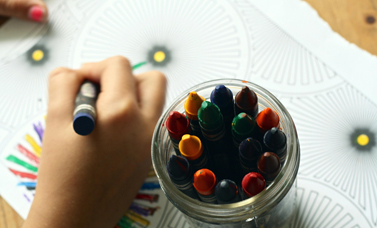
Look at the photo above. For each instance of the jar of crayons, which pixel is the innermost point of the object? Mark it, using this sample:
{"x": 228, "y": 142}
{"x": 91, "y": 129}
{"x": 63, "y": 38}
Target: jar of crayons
{"x": 226, "y": 153}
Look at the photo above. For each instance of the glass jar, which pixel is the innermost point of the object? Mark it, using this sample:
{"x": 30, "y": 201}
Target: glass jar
{"x": 273, "y": 207}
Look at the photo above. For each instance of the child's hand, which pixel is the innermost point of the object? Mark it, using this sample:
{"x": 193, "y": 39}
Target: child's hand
{"x": 34, "y": 10}
{"x": 90, "y": 181}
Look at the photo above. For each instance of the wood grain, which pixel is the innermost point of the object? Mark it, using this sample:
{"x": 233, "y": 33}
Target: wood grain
{"x": 355, "y": 20}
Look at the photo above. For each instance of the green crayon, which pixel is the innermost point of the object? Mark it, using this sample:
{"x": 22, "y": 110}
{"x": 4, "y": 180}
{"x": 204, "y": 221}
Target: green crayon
{"x": 217, "y": 141}
{"x": 243, "y": 126}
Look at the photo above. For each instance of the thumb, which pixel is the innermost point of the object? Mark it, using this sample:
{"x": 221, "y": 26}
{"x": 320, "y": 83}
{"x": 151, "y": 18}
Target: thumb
{"x": 35, "y": 10}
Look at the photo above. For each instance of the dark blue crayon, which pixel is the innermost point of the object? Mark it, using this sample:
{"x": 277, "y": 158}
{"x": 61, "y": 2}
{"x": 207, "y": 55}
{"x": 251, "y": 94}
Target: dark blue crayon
{"x": 181, "y": 174}
{"x": 84, "y": 115}
{"x": 249, "y": 152}
{"x": 223, "y": 98}
{"x": 275, "y": 141}
{"x": 218, "y": 142}
{"x": 150, "y": 186}
{"x": 227, "y": 192}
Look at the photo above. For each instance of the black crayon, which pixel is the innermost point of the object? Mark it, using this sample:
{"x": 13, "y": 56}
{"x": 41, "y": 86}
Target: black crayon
{"x": 276, "y": 141}
{"x": 249, "y": 152}
{"x": 181, "y": 174}
{"x": 227, "y": 192}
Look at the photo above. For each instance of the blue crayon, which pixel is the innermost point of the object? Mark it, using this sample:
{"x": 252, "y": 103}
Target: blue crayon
{"x": 227, "y": 192}
{"x": 150, "y": 186}
{"x": 84, "y": 115}
{"x": 223, "y": 98}
{"x": 27, "y": 184}
{"x": 181, "y": 174}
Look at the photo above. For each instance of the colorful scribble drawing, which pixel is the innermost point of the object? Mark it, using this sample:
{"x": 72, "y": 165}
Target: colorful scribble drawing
{"x": 23, "y": 162}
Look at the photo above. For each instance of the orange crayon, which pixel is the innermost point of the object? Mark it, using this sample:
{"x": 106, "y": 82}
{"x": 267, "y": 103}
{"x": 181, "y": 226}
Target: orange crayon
{"x": 266, "y": 120}
{"x": 205, "y": 183}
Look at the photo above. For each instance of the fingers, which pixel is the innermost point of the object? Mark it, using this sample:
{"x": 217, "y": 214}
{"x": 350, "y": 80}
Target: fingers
{"x": 121, "y": 92}
{"x": 151, "y": 92}
{"x": 35, "y": 10}
{"x": 63, "y": 86}
{"x": 114, "y": 75}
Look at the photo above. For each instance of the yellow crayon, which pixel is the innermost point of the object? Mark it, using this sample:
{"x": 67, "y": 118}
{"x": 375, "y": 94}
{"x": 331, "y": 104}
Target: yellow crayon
{"x": 137, "y": 218}
{"x": 36, "y": 148}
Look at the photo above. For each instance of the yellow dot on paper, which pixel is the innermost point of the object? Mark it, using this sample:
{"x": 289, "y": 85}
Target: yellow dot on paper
{"x": 37, "y": 55}
{"x": 362, "y": 140}
{"x": 159, "y": 56}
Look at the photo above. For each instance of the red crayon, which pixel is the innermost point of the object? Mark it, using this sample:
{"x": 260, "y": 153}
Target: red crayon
{"x": 28, "y": 154}
{"x": 148, "y": 197}
{"x": 266, "y": 120}
{"x": 23, "y": 174}
{"x": 205, "y": 184}
{"x": 177, "y": 125}
{"x": 246, "y": 101}
{"x": 252, "y": 184}
{"x": 269, "y": 166}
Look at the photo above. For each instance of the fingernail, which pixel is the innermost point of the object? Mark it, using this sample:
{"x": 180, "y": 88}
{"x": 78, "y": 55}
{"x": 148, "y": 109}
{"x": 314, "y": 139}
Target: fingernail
{"x": 36, "y": 13}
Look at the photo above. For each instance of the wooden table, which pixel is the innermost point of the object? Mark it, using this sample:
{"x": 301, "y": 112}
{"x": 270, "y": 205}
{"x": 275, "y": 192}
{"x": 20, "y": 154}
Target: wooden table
{"x": 355, "y": 20}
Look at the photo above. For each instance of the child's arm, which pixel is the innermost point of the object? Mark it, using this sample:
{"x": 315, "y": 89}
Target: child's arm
{"x": 90, "y": 181}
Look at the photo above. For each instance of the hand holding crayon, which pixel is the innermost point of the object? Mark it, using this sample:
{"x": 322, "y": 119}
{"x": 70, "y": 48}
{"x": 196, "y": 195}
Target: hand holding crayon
{"x": 98, "y": 174}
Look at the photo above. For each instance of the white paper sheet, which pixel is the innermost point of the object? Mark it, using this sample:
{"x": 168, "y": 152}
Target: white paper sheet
{"x": 284, "y": 46}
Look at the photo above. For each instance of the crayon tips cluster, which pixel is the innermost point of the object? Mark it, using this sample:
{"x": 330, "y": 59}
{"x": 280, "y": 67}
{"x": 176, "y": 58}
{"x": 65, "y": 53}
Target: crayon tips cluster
{"x": 226, "y": 149}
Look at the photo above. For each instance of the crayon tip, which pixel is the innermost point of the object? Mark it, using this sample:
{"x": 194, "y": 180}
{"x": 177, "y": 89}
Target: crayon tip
{"x": 226, "y": 190}
{"x": 177, "y": 124}
{"x": 192, "y": 105}
{"x": 267, "y": 119}
{"x": 275, "y": 139}
{"x": 178, "y": 167}
{"x": 242, "y": 125}
{"x": 253, "y": 183}
{"x": 83, "y": 123}
{"x": 247, "y": 100}
{"x": 269, "y": 163}
{"x": 204, "y": 182}
{"x": 250, "y": 148}
{"x": 191, "y": 147}
{"x": 209, "y": 115}
{"x": 221, "y": 96}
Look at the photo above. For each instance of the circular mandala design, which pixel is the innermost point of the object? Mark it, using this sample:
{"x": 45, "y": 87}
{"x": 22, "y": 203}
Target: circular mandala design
{"x": 278, "y": 62}
{"x": 329, "y": 125}
{"x": 24, "y": 79}
{"x": 201, "y": 40}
